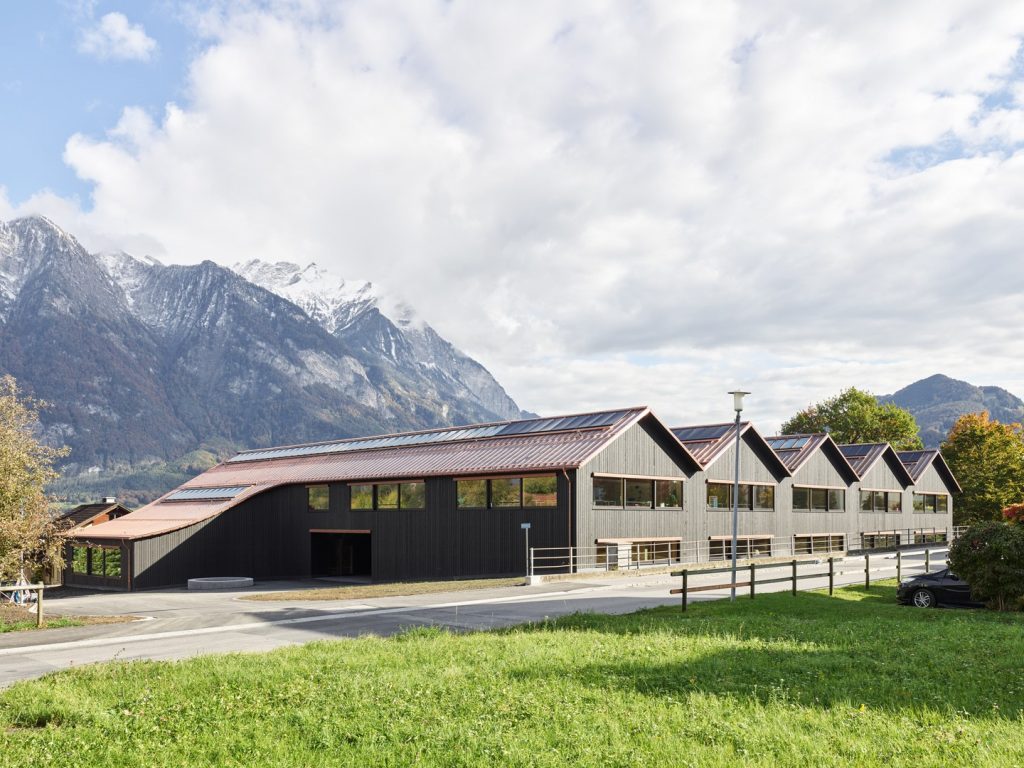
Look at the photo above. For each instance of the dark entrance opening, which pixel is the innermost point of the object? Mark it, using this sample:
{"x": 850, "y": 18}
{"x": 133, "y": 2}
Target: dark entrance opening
{"x": 340, "y": 554}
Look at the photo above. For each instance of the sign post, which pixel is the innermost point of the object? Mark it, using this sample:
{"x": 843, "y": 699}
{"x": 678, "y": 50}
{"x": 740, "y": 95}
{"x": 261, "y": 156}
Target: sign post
{"x": 526, "y": 531}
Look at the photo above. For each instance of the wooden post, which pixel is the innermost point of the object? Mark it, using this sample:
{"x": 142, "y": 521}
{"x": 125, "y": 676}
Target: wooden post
{"x": 684, "y": 590}
{"x": 794, "y": 578}
{"x": 752, "y": 572}
{"x": 927, "y": 560}
{"x": 899, "y": 565}
{"x": 867, "y": 571}
{"x": 39, "y": 607}
{"x": 831, "y": 574}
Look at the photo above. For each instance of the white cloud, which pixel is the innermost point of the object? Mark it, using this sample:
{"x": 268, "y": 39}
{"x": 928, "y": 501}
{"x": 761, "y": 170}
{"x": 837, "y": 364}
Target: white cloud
{"x": 114, "y": 37}
{"x": 610, "y": 203}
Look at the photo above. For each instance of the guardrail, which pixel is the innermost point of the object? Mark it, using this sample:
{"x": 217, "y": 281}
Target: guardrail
{"x": 38, "y": 589}
{"x": 795, "y": 576}
{"x": 636, "y": 553}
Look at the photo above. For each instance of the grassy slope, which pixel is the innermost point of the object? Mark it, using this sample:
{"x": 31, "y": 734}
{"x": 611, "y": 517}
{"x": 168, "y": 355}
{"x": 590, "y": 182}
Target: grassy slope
{"x": 812, "y": 680}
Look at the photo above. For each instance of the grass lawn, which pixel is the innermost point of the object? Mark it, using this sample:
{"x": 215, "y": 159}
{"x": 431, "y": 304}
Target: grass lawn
{"x": 16, "y": 619}
{"x": 358, "y": 591}
{"x": 807, "y": 681}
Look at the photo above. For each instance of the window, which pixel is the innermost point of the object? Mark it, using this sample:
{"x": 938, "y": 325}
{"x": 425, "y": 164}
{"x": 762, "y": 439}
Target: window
{"x": 655, "y": 551}
{"x": 764, "y": 498}
{"x": 112, "y": 563}
{"x": 412, "y": 495}
{"x": 919, "y": 502}
{"x": 942, "y": 504}
{"x": 879, "y": 540}
{"x": 80, "y": 560}
{"x": 836, "y": 500}
{"x": 318, "y": 498}
{"x": 505, "y": 492}
{"x": 362, "y": 496}
{"x": 819, "y": 499}
{"x": 387, "y": 496}
{"x": 471, "y": 494}
{"x": 719, "y": 496}
{"x": 540, "y": 491}
{"x": 881, "y": 501}
{"x": 607, "y": 492}
{"x": 801, "y": 499}
{"x": 816, "y": 543}
{"x": 668, "y": 493}
{"x": 931, "y": 537}
{"x": 95, "y": 561}
{"x": 930, "y": 504}
{"x": 640, "y": 494}
{"x": 720, "y": 547}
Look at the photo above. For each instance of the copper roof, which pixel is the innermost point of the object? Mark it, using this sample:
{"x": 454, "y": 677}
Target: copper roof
{"x": 863, "y": 456}
{"x": 917, "y": 462}
{"x": 806, "y": 445}
{"x": 708, "y": 442}
{"x": 525, "y": 452}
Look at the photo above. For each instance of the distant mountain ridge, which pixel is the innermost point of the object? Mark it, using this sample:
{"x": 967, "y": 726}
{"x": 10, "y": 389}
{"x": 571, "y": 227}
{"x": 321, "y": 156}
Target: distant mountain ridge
{"x": 938, "y": 401}
{"x": 145, "y": 363}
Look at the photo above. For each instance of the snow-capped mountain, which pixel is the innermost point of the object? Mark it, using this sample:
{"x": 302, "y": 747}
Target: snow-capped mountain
{"x": 383, "y": 326}
{"x": 144, "y": 362}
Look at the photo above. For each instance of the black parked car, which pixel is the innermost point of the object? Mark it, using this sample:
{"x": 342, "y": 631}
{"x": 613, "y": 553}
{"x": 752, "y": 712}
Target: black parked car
{"x": 939, "y": 588}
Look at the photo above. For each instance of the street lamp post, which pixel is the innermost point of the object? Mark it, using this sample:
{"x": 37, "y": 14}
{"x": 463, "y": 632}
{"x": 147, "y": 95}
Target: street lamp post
{"x": 737, "y": 404}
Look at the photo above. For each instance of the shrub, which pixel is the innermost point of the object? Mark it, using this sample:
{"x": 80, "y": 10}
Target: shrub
{"x": 990, "y": 557}
{"x": 1014, "y": 513}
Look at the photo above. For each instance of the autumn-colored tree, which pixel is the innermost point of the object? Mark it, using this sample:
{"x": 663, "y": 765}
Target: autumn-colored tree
{"x": 1014, "y": 514}
{"x": 29, "y": 539}
{"x": 855, "y": 416}
{"x": 987, "y": 458}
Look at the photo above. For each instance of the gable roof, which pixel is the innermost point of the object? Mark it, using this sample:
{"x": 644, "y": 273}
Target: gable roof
{"x": 83, "y": 513}
{"x": 864, "y": 456}
{"x": 797, "y": 450}
{"x": 525, "y": 445}
{"x": 709, "y": 442}
{"x": 917, "y": 462}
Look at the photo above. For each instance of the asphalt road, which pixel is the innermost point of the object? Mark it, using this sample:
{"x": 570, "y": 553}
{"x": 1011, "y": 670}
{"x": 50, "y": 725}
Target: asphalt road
{"x": 177, "y": 624}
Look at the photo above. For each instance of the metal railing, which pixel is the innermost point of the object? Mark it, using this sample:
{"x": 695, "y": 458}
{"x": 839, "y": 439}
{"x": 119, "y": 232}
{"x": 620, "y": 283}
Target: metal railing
{"x": 795, "y": 575}
{"x": 16, "y": 589}
{"x": 638, "y": 554}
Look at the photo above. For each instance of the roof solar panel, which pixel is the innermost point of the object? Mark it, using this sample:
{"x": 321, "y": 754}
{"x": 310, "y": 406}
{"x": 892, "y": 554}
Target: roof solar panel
{"x": 206, "y": 494}
{"x": 523, "y": 427}
{"x": 711, "y": 432}
{"x": 856, "y": 451}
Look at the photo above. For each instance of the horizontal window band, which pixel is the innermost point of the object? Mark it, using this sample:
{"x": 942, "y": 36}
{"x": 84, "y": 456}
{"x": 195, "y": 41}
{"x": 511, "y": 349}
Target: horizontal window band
{"x": 730, "y": 483}
{"x": 743, "y": 537}
{"x": 383, "y": 482}
{"x": 339, "y": 530}
{"x": 620, "y": 476}
{"x": 823, "y": 487}
{"x": 510, "y": 476}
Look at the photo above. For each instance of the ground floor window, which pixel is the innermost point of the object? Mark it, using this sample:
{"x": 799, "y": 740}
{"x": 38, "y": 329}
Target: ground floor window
{"x": 96, "y": 561}
{"x": 936, "y": 503}
{"x": 885, "y": 540}
{"x": 720, "y": 547}
{"x": 640, "y": 553}
{"x": 812, "y": 544}
{"x": 929, "y": 537}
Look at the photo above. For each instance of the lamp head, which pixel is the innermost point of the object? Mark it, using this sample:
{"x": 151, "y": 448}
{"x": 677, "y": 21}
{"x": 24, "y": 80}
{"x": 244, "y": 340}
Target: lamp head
{"x": 737, "y": 399}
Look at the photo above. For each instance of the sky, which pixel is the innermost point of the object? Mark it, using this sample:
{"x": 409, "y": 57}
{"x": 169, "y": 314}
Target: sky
{"x": 605, "y": 203}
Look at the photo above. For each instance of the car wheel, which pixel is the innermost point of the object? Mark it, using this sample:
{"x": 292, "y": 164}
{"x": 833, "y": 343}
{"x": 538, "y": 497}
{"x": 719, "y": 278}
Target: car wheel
{"x": 923, "y": 598}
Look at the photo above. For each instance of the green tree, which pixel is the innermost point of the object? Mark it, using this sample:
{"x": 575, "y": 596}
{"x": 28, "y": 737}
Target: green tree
{"x": 855, "y": 416}
{"x": 29, "y": 536}
{"x": 990, "y": 557}
{"x": 987, "y": 458}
